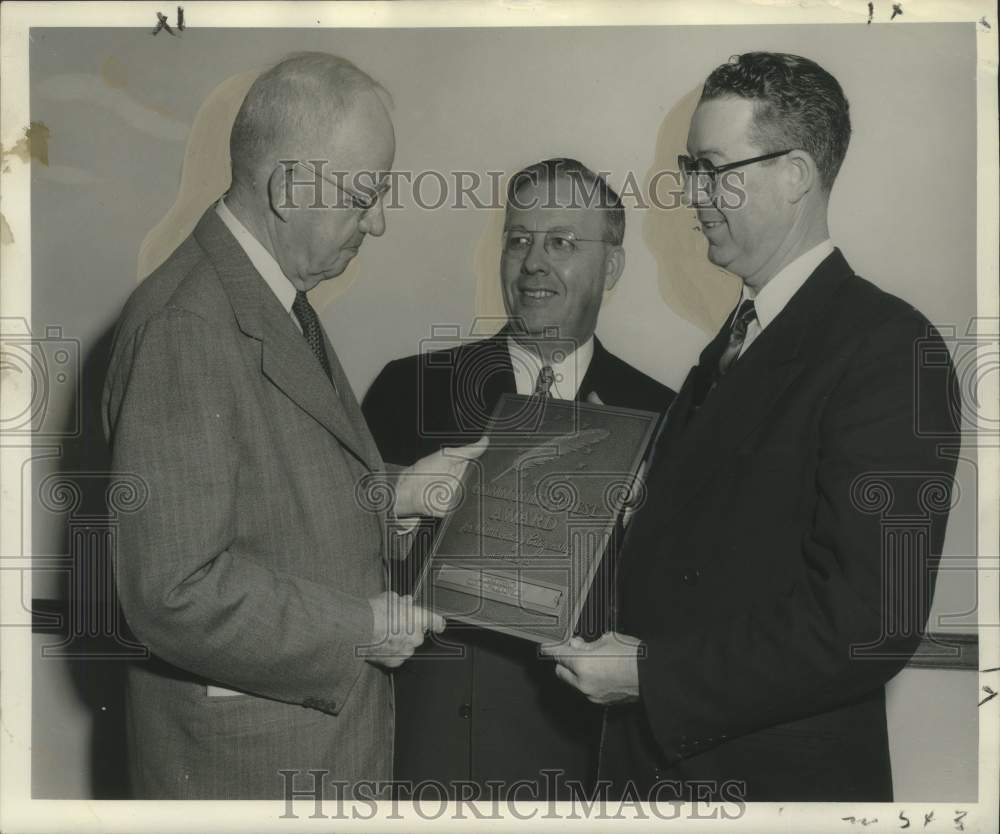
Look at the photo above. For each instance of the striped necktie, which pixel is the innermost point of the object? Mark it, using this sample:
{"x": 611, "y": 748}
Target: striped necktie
{"x": 706, "y": 382}
{"x": 746, "y": 314}
{"x": 543, "y": 385}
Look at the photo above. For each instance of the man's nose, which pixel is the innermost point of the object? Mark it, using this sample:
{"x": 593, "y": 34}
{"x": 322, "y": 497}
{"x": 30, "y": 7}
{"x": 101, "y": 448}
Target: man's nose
{"x": 373, "y": 221}
{"x": 536, "y": 258}
{"x": 686, "y": 199}
{"x": 697, "y": 193}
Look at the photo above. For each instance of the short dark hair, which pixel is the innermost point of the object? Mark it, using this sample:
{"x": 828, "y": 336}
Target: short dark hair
{"x": 797, "y": 104}
{"x": 593, "y": 187}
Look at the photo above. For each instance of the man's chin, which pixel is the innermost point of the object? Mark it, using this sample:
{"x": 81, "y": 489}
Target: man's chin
{"x": 533, "y": 327}
{"x": 718, "y": 255}
{"x": 337, "y": 269}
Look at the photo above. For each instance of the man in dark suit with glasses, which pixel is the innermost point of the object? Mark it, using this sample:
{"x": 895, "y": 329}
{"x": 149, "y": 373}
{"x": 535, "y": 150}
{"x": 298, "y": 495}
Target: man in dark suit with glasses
{"x": 478, "y": 705}
{"x": 781, "y": 569}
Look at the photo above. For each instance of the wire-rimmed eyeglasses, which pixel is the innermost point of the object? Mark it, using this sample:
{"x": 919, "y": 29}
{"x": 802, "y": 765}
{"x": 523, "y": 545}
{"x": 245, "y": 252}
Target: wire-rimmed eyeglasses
{"x": 558, "y": 245}
{"x": 354, "y": 200}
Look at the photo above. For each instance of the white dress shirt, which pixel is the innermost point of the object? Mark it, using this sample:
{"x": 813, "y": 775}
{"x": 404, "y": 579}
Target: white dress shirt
{"x": 777, "y": 292}
{"x": 262, "y": 260}
{"x": 568, "y": 374}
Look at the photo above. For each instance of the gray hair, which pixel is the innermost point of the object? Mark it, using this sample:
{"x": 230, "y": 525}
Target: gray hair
{"x": 281, "y": 106}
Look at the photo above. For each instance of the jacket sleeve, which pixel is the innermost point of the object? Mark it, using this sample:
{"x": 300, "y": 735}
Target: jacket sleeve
{"x": 857, "y": 615}
{"x": 187, "y": 590}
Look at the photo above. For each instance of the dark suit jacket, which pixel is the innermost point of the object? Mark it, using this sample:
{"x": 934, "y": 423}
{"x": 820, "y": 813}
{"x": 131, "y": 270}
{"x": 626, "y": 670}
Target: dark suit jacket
{"x": 248, "y": 563}
{"x": 489, "y": 708}
{"x": 779, "y": 572}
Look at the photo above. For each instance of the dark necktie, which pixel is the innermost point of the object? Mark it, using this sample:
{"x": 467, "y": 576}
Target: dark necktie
{"x": 707, "y": 376}
{"x": 543, "y": 385}
{"x": 737, "y": 335}
{"x": 307, "y": 317}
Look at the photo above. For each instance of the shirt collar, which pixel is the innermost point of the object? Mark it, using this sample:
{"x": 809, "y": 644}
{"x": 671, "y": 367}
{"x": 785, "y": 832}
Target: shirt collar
{"x": 568, "y": 374}
{"x": 262, "y": 260}
{"x": 777, "y": 292}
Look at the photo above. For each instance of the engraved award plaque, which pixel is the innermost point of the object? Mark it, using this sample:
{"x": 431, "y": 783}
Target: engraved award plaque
{"x": 539, "y": 509}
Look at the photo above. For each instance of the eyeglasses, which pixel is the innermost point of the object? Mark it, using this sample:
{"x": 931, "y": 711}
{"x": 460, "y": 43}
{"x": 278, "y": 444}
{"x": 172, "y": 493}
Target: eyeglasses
{"x": 558, "y": 245}
{"x": 361, "y": 202}
{"x": 705, "y": 173}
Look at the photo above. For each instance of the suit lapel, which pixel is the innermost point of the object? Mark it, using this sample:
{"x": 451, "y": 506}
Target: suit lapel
{"x": 732, "y": 411}
{"x": 698, "y": 445}
{"x": 352, "y": 409}
{"x": 678, "y": 416}
{"x": 490, "y": 363}
{"x": 289, "y": 363}
{"x": 286, "y": 359}
{"x": 503, "y": 381}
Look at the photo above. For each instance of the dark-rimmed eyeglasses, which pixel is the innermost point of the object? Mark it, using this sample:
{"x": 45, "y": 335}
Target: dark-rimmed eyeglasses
{"x": 705, "y": 174}
{"x": 558, "y": 245}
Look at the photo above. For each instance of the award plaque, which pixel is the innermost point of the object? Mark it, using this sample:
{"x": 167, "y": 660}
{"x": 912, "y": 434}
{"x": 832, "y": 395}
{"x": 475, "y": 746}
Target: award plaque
{"x": 538, "y": 511}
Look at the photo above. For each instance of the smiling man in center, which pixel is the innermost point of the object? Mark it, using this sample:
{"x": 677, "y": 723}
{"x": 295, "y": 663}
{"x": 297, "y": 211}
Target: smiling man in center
{"x": 484, "y": 707}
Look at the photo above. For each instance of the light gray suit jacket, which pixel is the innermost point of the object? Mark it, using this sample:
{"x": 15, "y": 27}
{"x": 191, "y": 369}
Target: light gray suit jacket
{"x": 250, "y": 563}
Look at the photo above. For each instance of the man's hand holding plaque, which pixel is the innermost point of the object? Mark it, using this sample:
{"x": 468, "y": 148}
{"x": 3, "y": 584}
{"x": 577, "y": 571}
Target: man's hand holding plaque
{"x": 398, "y": 627}
{"x": 431, "y": 487}
{"x": 605, "y": 671}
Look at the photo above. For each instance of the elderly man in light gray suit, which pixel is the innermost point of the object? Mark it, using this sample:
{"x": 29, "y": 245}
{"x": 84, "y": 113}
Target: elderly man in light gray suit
{"x": 255, "y": 570}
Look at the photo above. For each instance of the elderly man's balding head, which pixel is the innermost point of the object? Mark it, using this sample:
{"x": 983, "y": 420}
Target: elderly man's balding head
{"x": 311, "y": 149}
{"x": 293, "y": 109}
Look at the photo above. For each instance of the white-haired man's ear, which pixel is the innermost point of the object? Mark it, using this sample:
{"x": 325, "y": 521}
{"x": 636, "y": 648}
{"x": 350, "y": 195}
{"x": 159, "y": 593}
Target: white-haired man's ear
{"x": 279, "y": 193}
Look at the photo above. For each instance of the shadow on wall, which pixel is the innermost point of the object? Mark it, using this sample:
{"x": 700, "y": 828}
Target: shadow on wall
{"x": 87, "y": 628}
{"x": 694, "y": 288}
{"x": 205, "y": 174}
{"x": 486, "y": 266}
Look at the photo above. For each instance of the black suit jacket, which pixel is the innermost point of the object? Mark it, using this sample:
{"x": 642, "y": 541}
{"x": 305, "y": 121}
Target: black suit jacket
{"x": 475, "y": 705}
{"x": 790, "y": 533}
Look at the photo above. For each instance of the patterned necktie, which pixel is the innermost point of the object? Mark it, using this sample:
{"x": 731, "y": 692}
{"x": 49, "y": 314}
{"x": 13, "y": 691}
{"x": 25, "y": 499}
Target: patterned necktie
{"x": 543, "y": 384}
{"x": 307, "y": 317}
{"x": 737, "y": 335}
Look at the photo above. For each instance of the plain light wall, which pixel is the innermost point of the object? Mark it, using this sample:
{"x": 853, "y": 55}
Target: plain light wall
{"x": 119, "y": 104}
